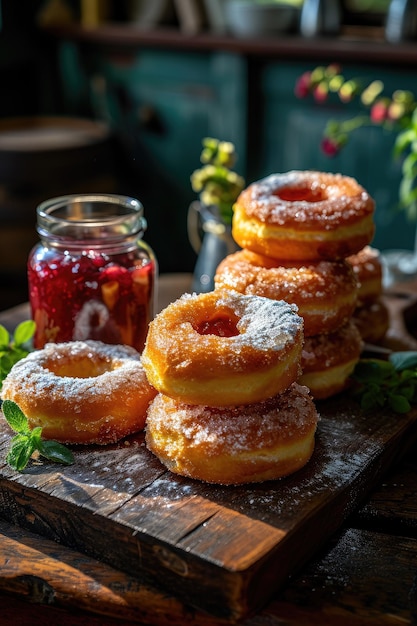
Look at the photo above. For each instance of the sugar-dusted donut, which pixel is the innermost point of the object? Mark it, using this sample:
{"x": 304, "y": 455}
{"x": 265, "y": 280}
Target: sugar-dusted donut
{"x": 234, "y": 445}
{"x": 304, "y": 216}
{"x": 328, "y": 360}
{"x": 223, "y": 348}
{"x": 368, "y": 270}
{"x": 81, "y": 392}
{"x": 324, "y": 291}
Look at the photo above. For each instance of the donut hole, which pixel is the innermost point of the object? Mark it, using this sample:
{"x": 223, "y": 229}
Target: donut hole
{"x": 79, "y": 368}
{"x": 220, "y": 325}
{"x": 299, "y": 194}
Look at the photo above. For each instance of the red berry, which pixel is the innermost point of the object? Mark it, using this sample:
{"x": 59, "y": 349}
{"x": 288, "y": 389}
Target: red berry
{"x": 330, "y": 147}
{"x": 320, "y": 93}
{"x": 303, "y": 85}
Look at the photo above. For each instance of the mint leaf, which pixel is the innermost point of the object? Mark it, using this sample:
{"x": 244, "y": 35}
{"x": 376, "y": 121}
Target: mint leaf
{"x": 4, "y": 338}
{"x": 407, "y": 391}
{"x": 24, "y": 332}
{"x": 27, "y": 441}
{"x": 35, "y": 437}
{"x": 20, "y": 452}
{"x": 15, "y": 417}
{"x": 373, "y": 370}
{"x": 54, "y": 451}
{"x": 403, "y": 360}
{"x": 16, "y": 348}
{"x": 377, "y": 383}
{"x": 369, "y": 401}
{"x": 398, "y": 403}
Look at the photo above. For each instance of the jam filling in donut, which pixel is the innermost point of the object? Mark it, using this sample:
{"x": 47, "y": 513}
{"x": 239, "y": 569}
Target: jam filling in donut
{"x": 298, "y": 194}
{"x": 220, "y": 326}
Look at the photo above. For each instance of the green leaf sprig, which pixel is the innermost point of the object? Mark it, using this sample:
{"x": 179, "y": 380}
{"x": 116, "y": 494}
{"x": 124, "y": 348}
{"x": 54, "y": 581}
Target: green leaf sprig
{"x": 392, "y": 112}
{"x": 393, "y": 383}
{"x": 216, "y": 183}
{"x": 15, "y": 347}
{"x": 27, "y": 441}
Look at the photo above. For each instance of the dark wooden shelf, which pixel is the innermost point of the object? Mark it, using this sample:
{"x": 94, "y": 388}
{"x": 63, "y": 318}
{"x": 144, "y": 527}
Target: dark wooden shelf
{"x": 352, "y": 45}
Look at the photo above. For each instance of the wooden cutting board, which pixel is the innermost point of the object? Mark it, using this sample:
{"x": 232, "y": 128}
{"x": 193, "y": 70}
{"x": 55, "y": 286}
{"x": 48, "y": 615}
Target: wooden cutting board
{"x": 225, "y": 550}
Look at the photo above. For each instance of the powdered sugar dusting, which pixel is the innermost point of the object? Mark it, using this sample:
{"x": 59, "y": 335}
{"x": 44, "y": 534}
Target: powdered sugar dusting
{"x": 264, "y": 324}
{"x": 265, "y": 327}
{"x": 240, "y": 428}
{"x": 334, "y": 199}
{"x": 39, "y": 373}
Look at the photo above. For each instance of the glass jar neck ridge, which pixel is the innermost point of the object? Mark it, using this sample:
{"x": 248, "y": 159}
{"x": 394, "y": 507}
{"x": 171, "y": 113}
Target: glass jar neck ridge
{"x": 90, "y": 220}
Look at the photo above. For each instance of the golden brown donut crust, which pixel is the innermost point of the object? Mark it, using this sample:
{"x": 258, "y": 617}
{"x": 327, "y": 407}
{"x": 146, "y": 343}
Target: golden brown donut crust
{"x": 81, "y": 392}
{"x": 372, "y": 320}
{"x": 234, "y": 445}
{"x": 325, "y": 292}
{"x": 329, "y": 359}
{"x": 368, "y": 270}
{"x": 260, "y": 358}
{"x": 304, "y": 216}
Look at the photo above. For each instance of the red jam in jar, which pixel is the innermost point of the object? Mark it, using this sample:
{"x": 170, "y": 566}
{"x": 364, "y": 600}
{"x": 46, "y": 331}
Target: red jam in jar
{"x": 92, "y": 276}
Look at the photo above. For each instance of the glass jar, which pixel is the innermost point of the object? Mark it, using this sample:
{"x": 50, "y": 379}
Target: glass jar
{"x": 92, "y": 276}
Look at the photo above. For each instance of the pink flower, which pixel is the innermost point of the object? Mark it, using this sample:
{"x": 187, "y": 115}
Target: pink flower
{"x": 302, "y": 86}
{"x": 330, "y": 147}
{"x": 320, "y": 92}
{"x": 379, "y": 112}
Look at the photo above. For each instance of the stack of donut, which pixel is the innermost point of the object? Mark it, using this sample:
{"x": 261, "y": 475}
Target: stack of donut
{"x": 296, "y": 231}
{"x": 371, "y": 315}
{"x": 228, "y": 409}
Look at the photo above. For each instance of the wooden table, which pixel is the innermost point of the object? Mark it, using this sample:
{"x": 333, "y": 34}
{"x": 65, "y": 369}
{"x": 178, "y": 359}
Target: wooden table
{"x": 366, "y": 573}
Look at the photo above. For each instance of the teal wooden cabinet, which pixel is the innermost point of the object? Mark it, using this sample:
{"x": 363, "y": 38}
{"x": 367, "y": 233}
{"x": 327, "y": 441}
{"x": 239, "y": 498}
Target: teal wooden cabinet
{"x": 161, "y": 104}
{"x": 292, "y": 131}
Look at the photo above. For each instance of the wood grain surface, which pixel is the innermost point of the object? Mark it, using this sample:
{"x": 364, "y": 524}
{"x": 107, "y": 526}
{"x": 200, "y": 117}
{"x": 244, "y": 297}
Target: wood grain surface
{"x": 361, "y": 577}
{"x": 220, "y": 549}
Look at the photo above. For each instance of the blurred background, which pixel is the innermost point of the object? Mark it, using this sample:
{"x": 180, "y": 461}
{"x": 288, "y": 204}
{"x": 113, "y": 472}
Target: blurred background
{"x": 116, "y": 96}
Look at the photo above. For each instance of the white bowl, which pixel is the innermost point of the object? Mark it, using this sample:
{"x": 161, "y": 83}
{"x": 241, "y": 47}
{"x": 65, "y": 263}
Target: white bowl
{"x": 247, "y": 19}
